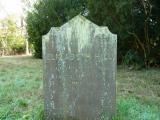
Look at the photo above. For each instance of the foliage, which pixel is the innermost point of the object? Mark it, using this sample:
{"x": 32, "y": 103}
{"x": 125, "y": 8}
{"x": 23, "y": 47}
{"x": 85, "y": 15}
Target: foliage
{"x": 117, "y": 16}
{"x": 146, "y": 32}
{"x": 49, "y": 13}
{"x": 136, "y": 22}
{"x": 11, "y": 39}
{"x": 131, "y": 57}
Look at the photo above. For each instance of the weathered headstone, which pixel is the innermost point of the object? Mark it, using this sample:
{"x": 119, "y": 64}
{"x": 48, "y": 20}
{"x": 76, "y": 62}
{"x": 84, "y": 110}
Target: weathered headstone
{"x": 79, "y": 71}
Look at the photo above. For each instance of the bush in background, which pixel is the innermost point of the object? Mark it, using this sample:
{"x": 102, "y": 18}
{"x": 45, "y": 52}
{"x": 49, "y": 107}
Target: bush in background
{"x": 12, "y": 41}
{"x": 136, "y": 22}
{"x": 49, "y": 13}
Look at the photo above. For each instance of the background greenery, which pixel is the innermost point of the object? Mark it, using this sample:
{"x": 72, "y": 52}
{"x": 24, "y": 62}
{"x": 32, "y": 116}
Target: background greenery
{"x": 12, "y": 41}
{"x": 136, "y": 22}
{"x": 21, "y": 91}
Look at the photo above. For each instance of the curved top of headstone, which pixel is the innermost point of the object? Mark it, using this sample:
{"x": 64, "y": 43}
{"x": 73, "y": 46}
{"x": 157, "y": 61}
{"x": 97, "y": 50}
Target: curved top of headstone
{"x": 81, "y": 22}
{"x": 82, "y": 30}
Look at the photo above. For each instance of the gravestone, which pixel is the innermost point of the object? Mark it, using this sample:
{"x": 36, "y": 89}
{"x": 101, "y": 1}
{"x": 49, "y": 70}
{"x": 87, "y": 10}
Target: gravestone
{"x": 79, "y": 71}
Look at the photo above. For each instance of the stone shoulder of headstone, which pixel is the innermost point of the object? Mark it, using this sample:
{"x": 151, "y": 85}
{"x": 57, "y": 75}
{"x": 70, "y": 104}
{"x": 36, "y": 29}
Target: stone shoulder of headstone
{"x": 78, "y": 20}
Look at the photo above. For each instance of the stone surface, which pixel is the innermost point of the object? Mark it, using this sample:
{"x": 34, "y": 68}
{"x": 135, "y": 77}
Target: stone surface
{"x": 79, "y": 71}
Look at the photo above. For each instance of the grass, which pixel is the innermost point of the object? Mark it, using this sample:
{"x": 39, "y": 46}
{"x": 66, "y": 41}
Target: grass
{"x": 132, "y": 109}
{"x": 20, "y": 88}
{"x": 21, "y": 91}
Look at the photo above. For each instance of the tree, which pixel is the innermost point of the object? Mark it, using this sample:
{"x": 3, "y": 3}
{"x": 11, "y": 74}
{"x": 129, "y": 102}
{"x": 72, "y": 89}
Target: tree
{"x": 136, "y": 23}
{"x": 49, "y": 13}
{"x": 146, "y": 31}
{"x": 117, "y": 15}
{"x": 11, "y": 41}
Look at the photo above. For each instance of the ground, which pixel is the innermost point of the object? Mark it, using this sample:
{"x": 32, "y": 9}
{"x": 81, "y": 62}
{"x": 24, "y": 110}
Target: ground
{"x": 21, "y": 91}
{"x": 20, "y": 88}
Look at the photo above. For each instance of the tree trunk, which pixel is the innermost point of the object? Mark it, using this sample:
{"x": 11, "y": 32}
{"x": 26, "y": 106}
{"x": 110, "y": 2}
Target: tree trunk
{"x": 27, "y": 49}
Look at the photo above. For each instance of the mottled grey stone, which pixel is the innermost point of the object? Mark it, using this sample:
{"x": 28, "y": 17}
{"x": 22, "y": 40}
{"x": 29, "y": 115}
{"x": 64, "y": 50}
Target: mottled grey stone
{"x": 79, "y": 71}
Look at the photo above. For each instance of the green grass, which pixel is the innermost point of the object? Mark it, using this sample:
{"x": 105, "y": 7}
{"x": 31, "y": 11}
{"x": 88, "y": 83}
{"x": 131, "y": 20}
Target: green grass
{"x": 132, "y": 109}
{"x": 21, "y": 91}
{"x": 20, "y": 88}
